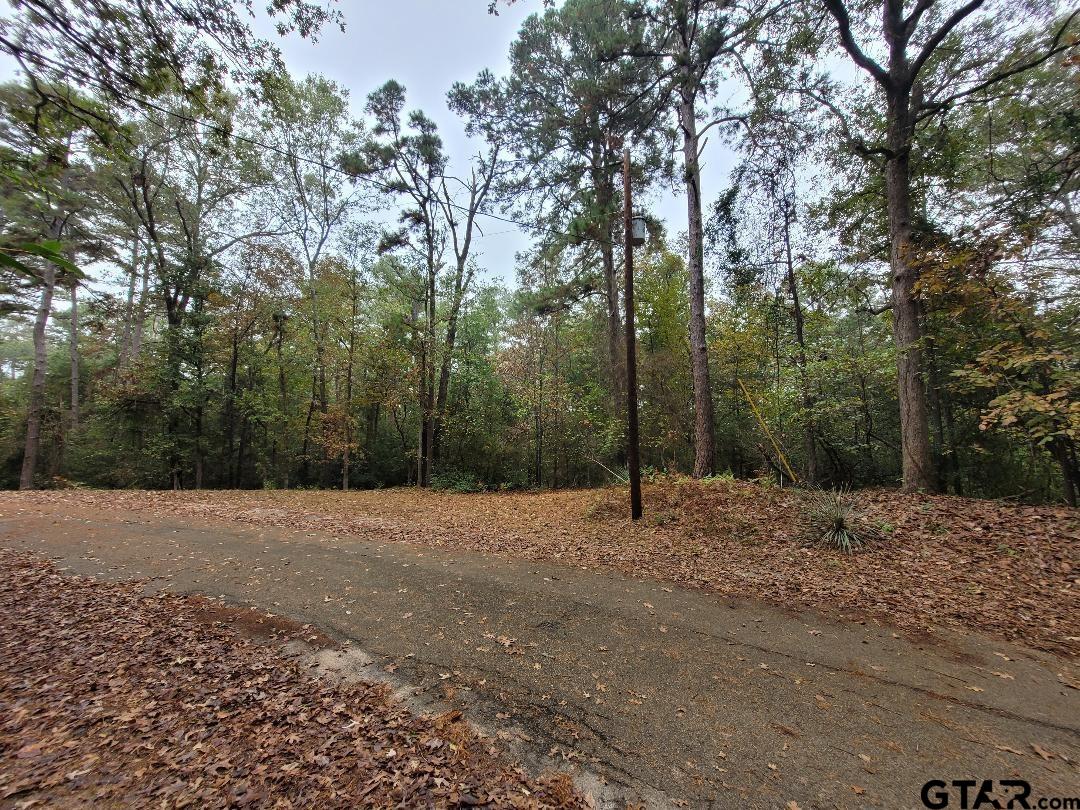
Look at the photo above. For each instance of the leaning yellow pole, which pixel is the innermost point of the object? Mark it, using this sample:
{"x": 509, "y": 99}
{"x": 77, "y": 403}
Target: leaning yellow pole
{"x": 761, "y": 421}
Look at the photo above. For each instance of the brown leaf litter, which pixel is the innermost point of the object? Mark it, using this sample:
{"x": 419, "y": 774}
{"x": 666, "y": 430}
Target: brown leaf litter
{"x": 999, "y": 568}
{"x": 109, "y": 698}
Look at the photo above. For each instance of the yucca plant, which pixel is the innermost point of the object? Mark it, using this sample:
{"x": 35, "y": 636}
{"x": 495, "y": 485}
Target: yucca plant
{"x": 834, "y": 521}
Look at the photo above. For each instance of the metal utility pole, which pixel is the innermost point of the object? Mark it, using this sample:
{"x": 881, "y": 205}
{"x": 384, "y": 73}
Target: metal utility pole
{"x": 633, "y": 460}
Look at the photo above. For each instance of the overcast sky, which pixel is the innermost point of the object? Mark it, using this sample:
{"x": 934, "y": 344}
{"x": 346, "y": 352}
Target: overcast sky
{"x": 427, "y": 45}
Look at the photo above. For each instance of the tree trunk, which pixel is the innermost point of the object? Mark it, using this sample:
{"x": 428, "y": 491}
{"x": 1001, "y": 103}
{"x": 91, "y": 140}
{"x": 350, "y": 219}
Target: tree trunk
{"x": 810, "y": 430}
{"x": 74, "y": 350}
{"x": 539, "y": 459}
{"x": 954, "y": 451}
{"x": 349, "y": 394}
{"x": 245, "y": 429}
{"x": 936, "y": 412}
{"x": 704, "y": 431}
{"x": 918, "y": 471}
{"x": 427, "y": 424}
{"x": 538, "y": 420}
{"x": 1073, "y": 475}
{"x": 319, "y": 398}
{"x": 229, "y": 412}
{"x": 124, "y": 354}
{"x": 429, "y": 435}
{"x": 140, "y": 314}
{"x": 372, "y": 430}
{"x": 37, "y": 382}
{"x": 421, "y": 446}
{"x": 1070, "y": 476}
{"x": 305, "y": 448}
{"x": 283, "y": 391}
{"x": 556, "y": 420}
{"x": 444, "y": 386}
{"x": 603, "y": 187}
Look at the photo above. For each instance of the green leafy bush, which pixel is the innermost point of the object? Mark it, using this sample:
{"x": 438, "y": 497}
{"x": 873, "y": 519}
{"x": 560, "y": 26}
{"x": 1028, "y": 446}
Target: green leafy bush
{"x": 456, "y": 481}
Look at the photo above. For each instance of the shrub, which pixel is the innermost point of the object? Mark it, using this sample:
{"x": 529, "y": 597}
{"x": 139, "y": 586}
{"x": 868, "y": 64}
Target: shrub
{"x": 456, "y": 481}
{"x": 835, "y": 521}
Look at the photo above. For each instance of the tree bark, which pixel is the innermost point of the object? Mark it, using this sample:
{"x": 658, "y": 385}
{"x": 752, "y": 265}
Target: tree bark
{"x": 37, "y": 382}
{"x": 124, "y": 354}
{"x": 427, "y": 421}
{"x": 810, "y": 429}
{"x": 444, "y": 390}
{"x": 704, "y": 431}
{"x": 74, "y": 353}
{"x": 345, "y": 455}
{"x": 461, "y": 285}
{"x": 478, "y": 187}
{"x": 229, "y": 411}
{"x": 918, "y": 470}
{"x": 140, "y": 312}
{"x": 603, "y": 186}
{"x": 372, "y": 431}
{"x": 1070, "y": 475}
{"x": 283, "y": 393}
{"x": 899, "y": 82}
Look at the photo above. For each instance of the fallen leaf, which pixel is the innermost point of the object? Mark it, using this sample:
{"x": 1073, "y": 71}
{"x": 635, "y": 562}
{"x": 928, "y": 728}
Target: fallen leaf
{"x": 1042, "y": 752}
{"x": 1069, "y": 681}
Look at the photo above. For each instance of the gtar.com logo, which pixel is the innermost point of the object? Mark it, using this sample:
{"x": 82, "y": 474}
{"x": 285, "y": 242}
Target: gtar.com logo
{"x": 1001, "y": 794}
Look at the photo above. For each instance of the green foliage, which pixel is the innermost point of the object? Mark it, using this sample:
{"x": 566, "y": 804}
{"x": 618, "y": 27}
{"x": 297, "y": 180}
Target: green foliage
{"x": 49, "y": 251}
{"x": 834, "y": 521}
{"x": 456, "y": 481}
{"x": 259, "y": 318}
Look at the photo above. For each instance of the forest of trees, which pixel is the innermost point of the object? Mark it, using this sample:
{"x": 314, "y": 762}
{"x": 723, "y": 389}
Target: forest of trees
{"x": 214, "y": 275}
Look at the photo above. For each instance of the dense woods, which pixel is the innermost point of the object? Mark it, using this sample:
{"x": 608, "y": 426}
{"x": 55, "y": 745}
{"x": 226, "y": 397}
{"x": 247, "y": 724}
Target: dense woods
{"x": 215, "y": 274}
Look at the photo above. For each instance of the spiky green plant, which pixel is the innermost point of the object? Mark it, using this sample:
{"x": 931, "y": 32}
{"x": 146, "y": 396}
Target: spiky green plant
{"x": 834, "y": 521}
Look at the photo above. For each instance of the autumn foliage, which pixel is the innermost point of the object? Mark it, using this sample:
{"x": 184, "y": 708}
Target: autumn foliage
{"x": 938, "y": 561}
{"x": 112, "y": 698}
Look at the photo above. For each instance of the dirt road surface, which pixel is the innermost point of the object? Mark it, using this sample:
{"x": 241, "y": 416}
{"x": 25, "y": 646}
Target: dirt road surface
{"x": 645, "y": 691}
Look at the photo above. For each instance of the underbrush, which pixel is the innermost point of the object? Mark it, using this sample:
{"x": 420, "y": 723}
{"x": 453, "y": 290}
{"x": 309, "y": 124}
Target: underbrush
{"x": 711, "y": 510}
{"x": 722, "y": 509}
{"x": 457, "y": 481}
{"x": 834, "y": 520}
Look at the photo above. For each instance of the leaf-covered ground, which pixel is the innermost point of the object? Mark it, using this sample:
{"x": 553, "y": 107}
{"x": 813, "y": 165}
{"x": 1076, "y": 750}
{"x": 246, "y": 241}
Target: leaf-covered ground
{"x": 109, "y": 698}
{"x": 967, "y": 564}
